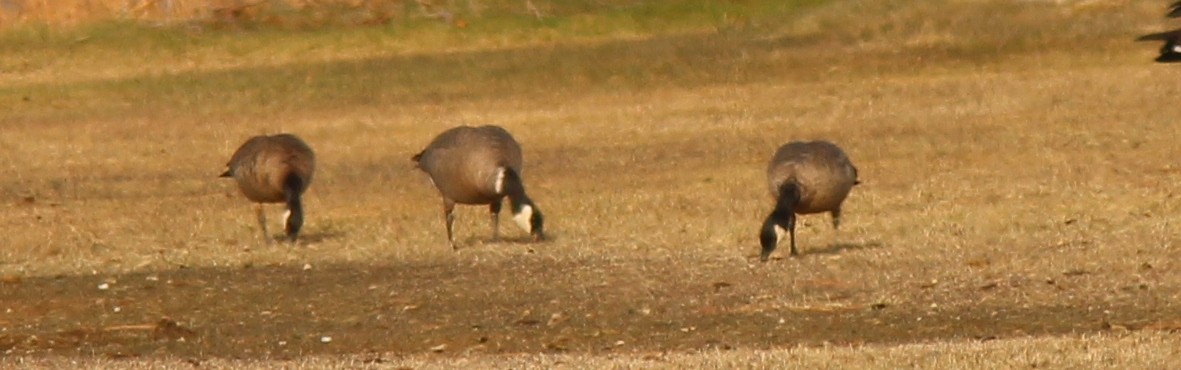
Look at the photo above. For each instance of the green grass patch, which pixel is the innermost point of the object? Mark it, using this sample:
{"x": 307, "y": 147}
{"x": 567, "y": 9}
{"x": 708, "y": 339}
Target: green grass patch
{"x": 489, "y": 20}
{"x": 122, "y": 69}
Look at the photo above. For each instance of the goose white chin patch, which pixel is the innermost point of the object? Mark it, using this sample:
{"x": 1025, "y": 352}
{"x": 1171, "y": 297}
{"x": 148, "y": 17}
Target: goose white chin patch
{"x": 522, "y": 218}
{"x": 779, "y": 233}
{"x": 500, "y": 181}
{"x": 286, "y": 215}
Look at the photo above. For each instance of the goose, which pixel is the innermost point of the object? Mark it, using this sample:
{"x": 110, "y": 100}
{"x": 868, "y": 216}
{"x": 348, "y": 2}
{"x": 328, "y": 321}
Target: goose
{"x": 476, "y": 166}
{"x": 1170, "y": 52}
{"x": 274, "y": 169}
{"x": 804, "y": 178}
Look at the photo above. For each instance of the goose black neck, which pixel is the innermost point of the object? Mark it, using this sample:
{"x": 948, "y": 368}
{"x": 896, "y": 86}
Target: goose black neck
{"x": 789, "y": 197}
{"x": 783, "y": 217}
{"x": 1168, "y": 53}
{"x": 515, "y": 190}
{"x": 292, "y": 190}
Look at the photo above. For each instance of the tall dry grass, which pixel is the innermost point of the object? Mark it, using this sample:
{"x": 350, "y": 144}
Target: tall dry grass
{"x": 75, "y": 12}
{"x": 307, "y": 13}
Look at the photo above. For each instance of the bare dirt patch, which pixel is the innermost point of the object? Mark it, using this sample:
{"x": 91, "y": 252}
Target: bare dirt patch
{"x": 521, "y": 304}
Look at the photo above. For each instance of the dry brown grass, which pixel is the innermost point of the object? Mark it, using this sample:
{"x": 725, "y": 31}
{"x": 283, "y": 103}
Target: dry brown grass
{"x": 1089, "y": 352}
{"x": 1010, "y": 175}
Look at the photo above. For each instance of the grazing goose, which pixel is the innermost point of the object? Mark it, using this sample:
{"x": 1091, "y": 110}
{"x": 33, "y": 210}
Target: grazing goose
{"x": 274, "y": 169}
{"x": 1170, "y": 52}
{"x": 480, "y": 165}
{"x": 805, "y": 177}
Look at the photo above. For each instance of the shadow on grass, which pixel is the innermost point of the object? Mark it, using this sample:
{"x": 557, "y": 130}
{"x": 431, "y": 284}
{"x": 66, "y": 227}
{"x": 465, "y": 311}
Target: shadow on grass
{"x": 516, "y": 240}
{"x": 304, "y": 238}
{"x": 832, "y": 249}
{"x": 838, "y": 248}
{"x": 315, "y": 236}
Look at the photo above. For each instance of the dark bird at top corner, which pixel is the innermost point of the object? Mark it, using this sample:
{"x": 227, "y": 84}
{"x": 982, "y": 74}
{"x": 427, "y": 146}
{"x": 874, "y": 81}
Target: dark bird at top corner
{"x": 1175, "y": 10}
{"x": 1170, "y": 52}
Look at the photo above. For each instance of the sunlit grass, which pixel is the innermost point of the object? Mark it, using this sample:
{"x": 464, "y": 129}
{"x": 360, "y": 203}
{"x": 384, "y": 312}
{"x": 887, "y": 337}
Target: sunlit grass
{"x": 994, "y": 151}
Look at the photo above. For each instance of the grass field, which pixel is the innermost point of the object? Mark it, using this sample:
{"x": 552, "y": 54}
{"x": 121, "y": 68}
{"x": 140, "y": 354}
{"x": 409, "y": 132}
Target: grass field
{"x": 1017, "y": 206}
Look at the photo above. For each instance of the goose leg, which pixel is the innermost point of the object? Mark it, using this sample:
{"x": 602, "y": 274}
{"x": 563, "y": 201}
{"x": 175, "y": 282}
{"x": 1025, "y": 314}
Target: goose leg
{"x": 836, "y": 219}
{"x": 449, "y": 217}
{"x": 494, "y": 209}
{"x": 262, "y": 223}
{"x": 791, "y": 228}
